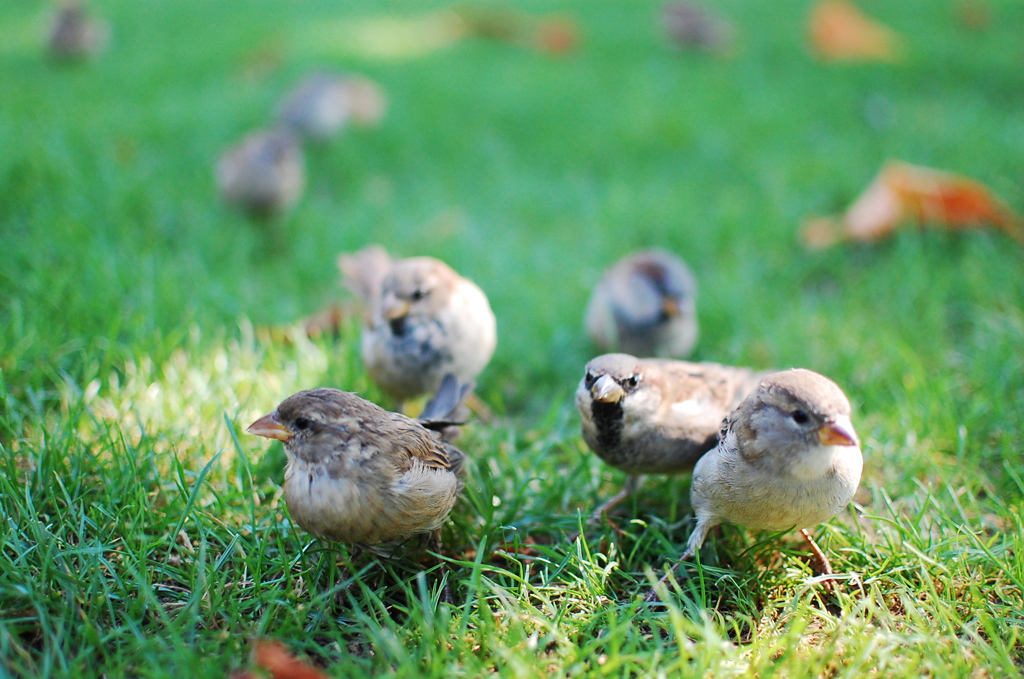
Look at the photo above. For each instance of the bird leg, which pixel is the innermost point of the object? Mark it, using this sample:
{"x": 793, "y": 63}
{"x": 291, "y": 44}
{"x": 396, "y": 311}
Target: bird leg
{"x": 700, "y": 531}
{"x": 652, "y": 593}
{"x": 480, "y": 409}
{"x": 632, "y": 483}
{"x": 630, "y": 487}
{"x": 823, "y": 567}
{"x": 346, "y": 570}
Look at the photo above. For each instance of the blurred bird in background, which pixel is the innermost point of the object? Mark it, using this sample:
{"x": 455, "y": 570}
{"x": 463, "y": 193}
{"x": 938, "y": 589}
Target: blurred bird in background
{"x": 264, "y": 174}
{"x": 421, "y": 321}
{"x": 696, "y": 28}
{"x": 645, "y": 305}
{"x": 74, "y": 34}
{"x": 320, "y": 106}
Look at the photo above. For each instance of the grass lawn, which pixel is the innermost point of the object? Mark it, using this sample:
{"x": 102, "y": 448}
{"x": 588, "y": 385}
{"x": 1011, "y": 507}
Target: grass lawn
{"x": 144, "y": 534}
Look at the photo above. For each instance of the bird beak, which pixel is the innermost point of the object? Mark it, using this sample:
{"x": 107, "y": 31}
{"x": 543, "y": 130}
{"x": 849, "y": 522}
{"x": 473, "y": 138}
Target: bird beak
{"x": 670, "y": 307}
{"x": 394, "y": 308}
{"x": 607, "y": 390}
{"x": 837, "y": 432}
{"x": 270, "y": 427}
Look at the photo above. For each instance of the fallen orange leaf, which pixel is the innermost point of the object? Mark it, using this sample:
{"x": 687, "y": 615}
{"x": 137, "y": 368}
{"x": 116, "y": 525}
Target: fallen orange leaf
{"x": 275, "y": 658}
{"x": 839, "y": 31}
{"x": 556, "y": 36}
{"x": 974, "y": 15}
{"x": 903, "y": 193}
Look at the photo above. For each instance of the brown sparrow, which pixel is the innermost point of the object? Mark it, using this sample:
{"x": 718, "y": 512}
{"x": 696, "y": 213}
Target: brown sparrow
{"x": 359, "y": 474}
{"x": 74, "y": 35}
{"x": 788, "y": 458}
{"x": 645, "y": 305}
{"x": 691, "y": 26}
{"x": 263, "y": 175}
{"x": 422, "y": 321}
{"x": 322, "y": 103}
{"x": 655, "y": 416}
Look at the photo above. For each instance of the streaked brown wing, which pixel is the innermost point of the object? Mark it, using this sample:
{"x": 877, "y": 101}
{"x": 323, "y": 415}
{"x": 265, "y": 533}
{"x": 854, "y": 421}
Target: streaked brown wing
{"x": 713, "y": 390}
{"x": 711, "y": 382}
{"x": 419, "y": 442}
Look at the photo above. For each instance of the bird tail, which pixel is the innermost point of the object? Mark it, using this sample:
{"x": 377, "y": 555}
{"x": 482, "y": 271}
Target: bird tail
{"x": 446, "y": 411}
{"x": 446, "y": 403}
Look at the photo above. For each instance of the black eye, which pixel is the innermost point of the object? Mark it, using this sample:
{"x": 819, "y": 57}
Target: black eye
{"x": 633, "y": 381}
{"x": 589, "y": 380}
{"x": 418, "y": 294}
{"x": 799, "y": 416}
{"x": 303, "y": 423}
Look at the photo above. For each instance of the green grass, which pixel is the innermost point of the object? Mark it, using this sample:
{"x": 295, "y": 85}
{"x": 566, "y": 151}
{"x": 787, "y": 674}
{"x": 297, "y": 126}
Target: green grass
{"x": 143, "y": 534}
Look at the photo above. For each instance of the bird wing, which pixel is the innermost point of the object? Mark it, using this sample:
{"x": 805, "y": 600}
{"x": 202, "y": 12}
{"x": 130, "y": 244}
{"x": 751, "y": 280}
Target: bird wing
{"x": 707, "y": 381}
{"x": 420, "y": 444}
{"x": 702, "y": 394}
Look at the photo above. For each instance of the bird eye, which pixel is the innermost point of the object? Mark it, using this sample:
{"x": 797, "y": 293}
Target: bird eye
{"x": 634, "y": 380}
{"x": 799, "y": 416}
{"x": 588, "y": 380}
{"x": 418, "y": 294}
{"x": 303, "y": 423}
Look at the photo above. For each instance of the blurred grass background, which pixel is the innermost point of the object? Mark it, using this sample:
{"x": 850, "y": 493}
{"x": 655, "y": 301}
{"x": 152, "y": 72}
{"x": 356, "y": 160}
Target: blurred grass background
{"x": 129, "y": 361}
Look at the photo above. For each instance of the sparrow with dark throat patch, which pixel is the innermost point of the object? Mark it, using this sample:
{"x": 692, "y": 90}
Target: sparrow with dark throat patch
{"x": 655, "y": 416}
{"x": 422, "y": 321}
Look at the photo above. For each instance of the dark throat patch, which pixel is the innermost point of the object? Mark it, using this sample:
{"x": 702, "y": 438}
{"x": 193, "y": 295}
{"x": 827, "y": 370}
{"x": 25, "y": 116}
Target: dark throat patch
{"x": 610, "y": 419}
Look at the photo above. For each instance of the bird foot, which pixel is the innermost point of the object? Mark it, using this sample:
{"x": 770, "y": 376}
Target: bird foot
{"x": 820, "y": 562}
{"x": 446, "y": 594}
{"x": 632, "y": 483}
{"x": 822, "y": 565}
{"x": 593, "y": 521}
{"x": 652, "y": 597}
{"x": 652, "y": 594}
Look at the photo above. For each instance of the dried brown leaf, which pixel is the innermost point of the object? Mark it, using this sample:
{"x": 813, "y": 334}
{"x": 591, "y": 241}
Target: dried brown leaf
{"x": 840, "y": 31}
{"x": 902, "y": 193}
{"x": 275, "y": 658}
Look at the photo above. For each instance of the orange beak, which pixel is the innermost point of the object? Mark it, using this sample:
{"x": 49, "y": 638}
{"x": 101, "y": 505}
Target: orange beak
{"x": 670, "y": 307}
{"x": 838, "y": 432}
{"x": 270, "y": 427}
{"x": 393, "y": 308}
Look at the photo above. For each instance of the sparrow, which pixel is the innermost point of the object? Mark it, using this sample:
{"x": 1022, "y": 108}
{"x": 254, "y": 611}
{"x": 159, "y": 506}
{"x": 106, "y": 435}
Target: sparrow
{"x": 422, "y": 321}
{"x": 693, "y": 27}
{"x": 263, "y": 175}
{"x": 322, "y": 103}
{"x": 655, "y": 416}
{"x": 788, "y": 457}
{"x": 645, "y": 305}
{"x": 74, "y": 35}
{"x": 361, "y": 475}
